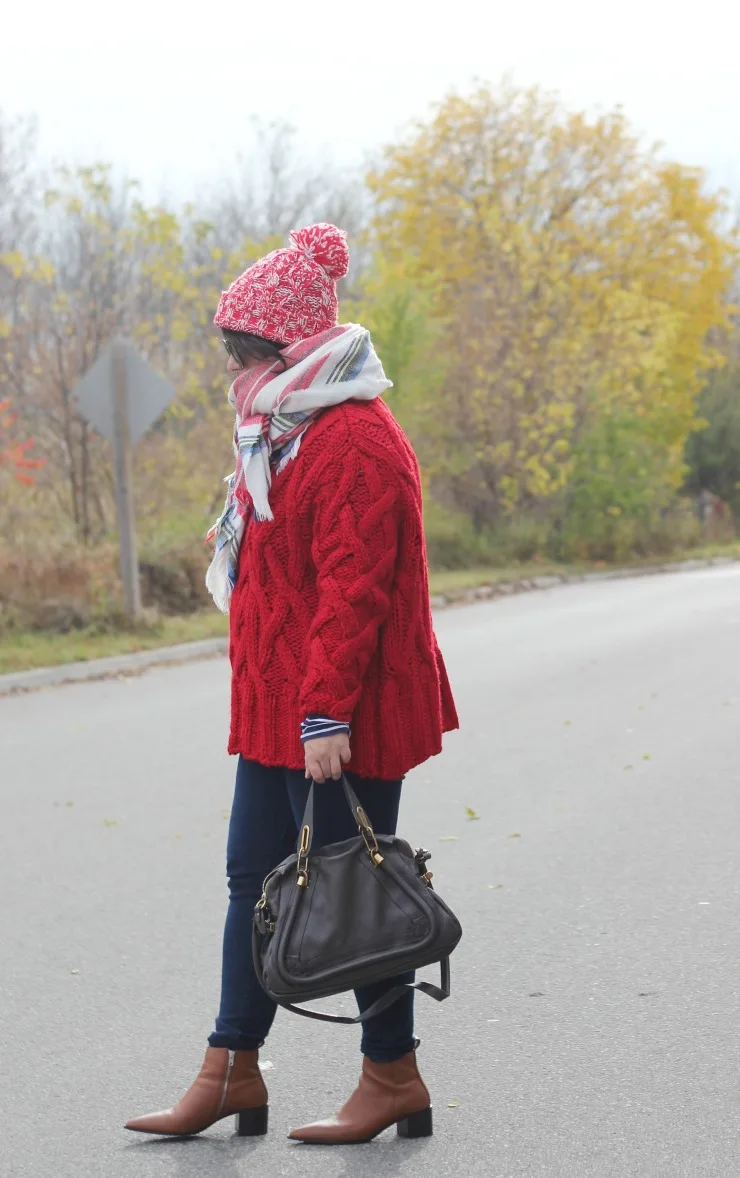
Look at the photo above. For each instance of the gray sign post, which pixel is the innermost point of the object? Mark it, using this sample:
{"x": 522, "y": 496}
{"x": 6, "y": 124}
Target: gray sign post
{"x": 121, "y": 396}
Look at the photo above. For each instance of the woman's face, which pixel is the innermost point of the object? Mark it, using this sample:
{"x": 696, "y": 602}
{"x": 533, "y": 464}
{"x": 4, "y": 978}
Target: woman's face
{"x": 233, "y": 365}
{"x": 237, "y": 363}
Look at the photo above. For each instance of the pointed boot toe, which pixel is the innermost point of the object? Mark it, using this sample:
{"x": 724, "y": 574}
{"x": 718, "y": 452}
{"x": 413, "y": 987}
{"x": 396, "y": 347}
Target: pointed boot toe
{"x": 162, "y": 1123}
{"x": 320, "y": 1133}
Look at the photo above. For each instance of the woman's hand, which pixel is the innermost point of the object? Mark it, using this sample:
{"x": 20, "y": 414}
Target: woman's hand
{"x": 327, "y": 756}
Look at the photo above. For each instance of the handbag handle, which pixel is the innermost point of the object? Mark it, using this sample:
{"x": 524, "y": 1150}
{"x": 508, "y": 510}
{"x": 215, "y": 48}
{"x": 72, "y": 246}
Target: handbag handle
{"x": 305, "y": 837}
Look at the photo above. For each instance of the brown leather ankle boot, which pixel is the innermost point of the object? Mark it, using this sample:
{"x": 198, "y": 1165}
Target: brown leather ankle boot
{"x": 388, "y": 1094}
{"x": 229, "y": 1083}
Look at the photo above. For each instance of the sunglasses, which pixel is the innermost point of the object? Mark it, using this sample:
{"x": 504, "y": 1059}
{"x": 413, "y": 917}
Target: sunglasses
{"x": 233, "y": 351}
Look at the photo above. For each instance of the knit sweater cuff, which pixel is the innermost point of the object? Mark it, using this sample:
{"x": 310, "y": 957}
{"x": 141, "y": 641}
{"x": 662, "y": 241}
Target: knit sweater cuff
{"x": 316, "y": 727}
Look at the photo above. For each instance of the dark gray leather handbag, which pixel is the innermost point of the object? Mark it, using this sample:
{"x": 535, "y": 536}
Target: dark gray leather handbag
{"x": 351, "y": 914}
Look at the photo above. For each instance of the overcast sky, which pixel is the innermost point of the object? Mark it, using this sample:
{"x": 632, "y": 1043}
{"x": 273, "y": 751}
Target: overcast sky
{"x": 166, "y": 90}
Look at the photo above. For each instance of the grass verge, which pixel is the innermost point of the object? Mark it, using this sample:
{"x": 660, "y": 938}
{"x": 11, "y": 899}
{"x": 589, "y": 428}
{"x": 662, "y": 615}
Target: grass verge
{"x": 24, "y": 651}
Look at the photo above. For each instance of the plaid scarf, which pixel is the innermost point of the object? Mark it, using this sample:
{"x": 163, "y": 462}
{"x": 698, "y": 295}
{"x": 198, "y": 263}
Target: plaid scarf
{"x": 273, "y": 411}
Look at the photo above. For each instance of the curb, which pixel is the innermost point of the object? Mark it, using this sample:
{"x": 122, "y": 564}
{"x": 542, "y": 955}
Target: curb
{"x": 508, "y": 588}
{"x": 117, "y": 667}
{"x": 126, "y": 665}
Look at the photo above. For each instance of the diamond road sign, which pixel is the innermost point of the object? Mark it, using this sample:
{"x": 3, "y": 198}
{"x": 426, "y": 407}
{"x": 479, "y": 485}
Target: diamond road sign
{"x": 147, "y": 394}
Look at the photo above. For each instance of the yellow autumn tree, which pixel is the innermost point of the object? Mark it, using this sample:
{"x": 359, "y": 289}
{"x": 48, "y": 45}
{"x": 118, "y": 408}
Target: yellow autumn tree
{"x": 578, "y": 278}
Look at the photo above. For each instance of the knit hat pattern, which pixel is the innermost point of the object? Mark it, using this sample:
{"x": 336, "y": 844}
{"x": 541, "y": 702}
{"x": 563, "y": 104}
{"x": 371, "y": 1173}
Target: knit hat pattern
{"x": 290, "y": 294}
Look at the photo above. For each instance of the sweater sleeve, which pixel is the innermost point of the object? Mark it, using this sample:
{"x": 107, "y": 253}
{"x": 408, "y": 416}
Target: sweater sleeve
{"x": 354, "y": 550}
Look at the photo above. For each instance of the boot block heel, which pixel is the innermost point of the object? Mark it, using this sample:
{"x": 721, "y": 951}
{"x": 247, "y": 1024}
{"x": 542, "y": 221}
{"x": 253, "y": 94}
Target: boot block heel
{"x": 417, "y": 1125}
{"x": 252, "y": 1122}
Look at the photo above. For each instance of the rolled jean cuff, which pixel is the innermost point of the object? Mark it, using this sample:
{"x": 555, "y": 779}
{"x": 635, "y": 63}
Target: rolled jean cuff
{"x": 234, "y": 1042}
{"x": 388, "y": 1054}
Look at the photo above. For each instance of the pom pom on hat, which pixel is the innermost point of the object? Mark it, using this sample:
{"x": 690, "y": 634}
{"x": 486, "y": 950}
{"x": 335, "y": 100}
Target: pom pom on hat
{"x": 291, "y": 294}
{"x": 326, "y": 245}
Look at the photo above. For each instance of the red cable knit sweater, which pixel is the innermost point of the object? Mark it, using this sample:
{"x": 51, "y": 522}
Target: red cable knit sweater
{"x": 330, "y": 614}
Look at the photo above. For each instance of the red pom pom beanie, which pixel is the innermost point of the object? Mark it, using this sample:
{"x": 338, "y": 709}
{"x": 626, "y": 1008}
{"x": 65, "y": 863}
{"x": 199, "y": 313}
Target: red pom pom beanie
{"x": 291, "y": 294}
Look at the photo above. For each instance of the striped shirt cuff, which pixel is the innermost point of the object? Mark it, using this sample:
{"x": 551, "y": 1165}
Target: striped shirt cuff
{"x": 316, "y": 727}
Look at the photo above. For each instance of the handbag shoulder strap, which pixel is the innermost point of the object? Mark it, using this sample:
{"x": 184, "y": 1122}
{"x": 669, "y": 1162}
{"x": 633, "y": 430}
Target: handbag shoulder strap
{"x": 439, "y": 993}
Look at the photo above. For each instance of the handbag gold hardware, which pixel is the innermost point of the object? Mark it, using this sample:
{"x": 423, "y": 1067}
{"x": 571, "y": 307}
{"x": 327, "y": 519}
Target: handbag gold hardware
{"x": 302, "y": 867}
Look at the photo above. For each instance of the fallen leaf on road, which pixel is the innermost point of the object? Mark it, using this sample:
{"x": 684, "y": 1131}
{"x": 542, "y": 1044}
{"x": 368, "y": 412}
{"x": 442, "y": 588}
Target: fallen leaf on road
{"x": 69, "y": 804}
{"x": 226, "y": 814}
{"x": 74, "y": 971}
{"x": 647, "y": 757}
{"x": 178, "y": 836}
{"x": 537, "y": 994}
{"x": 627, "y": 766}
{"x": 453, "y": 1104}
{"x": 515, "y": 836}
{"x": 471, "y": 815}
{"x": 494, "y": 887}
{"x": 111, "y": 822}
{"x": 449, "y": 838}
{"x": 567, "y": 723}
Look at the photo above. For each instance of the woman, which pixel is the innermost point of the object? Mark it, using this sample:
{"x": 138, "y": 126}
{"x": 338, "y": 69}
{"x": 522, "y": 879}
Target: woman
{"x": 320, "y": 562}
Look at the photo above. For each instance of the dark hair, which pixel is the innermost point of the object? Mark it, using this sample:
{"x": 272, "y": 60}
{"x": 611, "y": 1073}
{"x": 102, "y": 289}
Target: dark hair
{"x": 254, "y": 347}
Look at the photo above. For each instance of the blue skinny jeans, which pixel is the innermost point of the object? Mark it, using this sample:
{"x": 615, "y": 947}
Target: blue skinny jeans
{"x": 265, "y": 819}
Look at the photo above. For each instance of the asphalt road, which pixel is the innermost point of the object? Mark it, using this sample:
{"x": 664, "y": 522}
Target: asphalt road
{"x": 594, "y": 1030}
